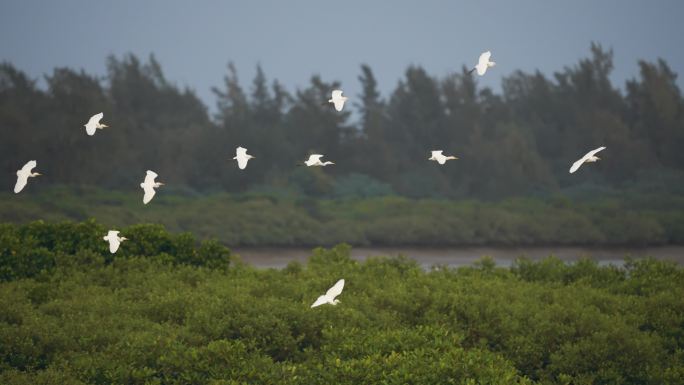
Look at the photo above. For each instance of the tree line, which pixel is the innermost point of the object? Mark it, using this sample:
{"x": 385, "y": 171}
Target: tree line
{"x": 519, "y": 141}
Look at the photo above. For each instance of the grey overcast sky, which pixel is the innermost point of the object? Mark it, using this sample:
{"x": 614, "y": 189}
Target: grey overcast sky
{"x": 194, "y": 40}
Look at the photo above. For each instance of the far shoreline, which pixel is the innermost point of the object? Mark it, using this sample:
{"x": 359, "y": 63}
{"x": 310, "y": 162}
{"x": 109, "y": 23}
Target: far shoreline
{"x": 454, "y": 256}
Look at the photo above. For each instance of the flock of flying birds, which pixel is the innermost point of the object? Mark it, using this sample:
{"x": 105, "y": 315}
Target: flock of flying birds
{"x": 149, "y": 184}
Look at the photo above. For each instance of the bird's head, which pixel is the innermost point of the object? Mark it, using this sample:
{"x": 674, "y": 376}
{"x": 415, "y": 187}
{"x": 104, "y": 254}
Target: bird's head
{"x": 250, "y": 157}
{"x": 159, "y": 184}
{"x": 123, "y": 239}
{"x": 335, "y": 302}
{"x": 102, "y": 125}
{"x": 36, "y": 174}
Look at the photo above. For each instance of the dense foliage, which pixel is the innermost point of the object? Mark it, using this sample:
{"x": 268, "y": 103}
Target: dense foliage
{"x": 272, "y": 220}
{"x": 39, "y": 247}
{"x": 143, "y": 319}
{"x": 516, "y": 142}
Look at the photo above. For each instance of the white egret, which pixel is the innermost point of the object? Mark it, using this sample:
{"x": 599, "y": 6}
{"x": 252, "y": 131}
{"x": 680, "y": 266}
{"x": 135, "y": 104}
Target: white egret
{"x": 23, "y": 174}
{"x": 590, "y": 157}
{"x": 94, "y": 123}
{"x": 329, "y": 296}
{"x": 483, "y": 63}
{"x": 338, "y": 100}
{"x": 315, "y": 160}
{"x": 440, "y": 158}
{"x": 242, "y": 157}
{"x": 114, "y": 240}
{"x": 149, "y": 186}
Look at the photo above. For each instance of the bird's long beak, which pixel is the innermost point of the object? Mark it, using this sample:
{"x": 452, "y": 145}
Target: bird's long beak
{"x": 37, "y": 174}
{"x": 124, "y": 238}
{"x": 160, "y": 183}
{"x": 597, "y": 158}
{"x": 104, "y": 125}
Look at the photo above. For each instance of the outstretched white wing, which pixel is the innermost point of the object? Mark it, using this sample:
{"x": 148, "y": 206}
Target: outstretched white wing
{"x": 339, "y": 104}
{"x": 23, "y": 174}
{"x": 95, "y": 119}
{"x": 482, "y": 65}
{"x": 242, "y": 162}
{"x": 149, "y": 194}
{"x": 315, "y": 157}
{"x": 577, "y": 165}
{"x": 149, "y": 177}
{"x": 90, "y": 129}
{"x": 241, "y": 157}
{"x": 330, "y": 295}
{"x": 320, "y": 301}
{"x": 113, "y": 238}
{"x": 21, "y": 183}
{"x": 580, "y": 162}
{"x": 484, "y": 59}
{"x": 148, "y": 186}
{"x": 91, "y": 126}
{"x": 593, "y": 152}
{"x": 114, "y": 244}
{"x": 29, "y": 166}
{"x": 436, "y": 153}
{"x": 335, "y": 290}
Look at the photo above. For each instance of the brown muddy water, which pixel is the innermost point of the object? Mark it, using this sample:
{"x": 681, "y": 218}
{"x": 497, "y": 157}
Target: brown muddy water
{"x": 461, "y": 256}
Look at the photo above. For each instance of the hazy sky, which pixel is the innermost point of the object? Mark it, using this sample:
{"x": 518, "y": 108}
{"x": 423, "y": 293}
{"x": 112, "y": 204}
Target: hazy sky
{"x": 194, "y": 40}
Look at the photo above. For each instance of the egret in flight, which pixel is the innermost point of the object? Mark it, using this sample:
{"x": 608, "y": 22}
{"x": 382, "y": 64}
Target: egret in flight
{"x": 329, "y": 296}
{"x": 149, "y": 186}
{"x": 315, "y": 160}
{"x": 440, "y": 158}
{"x": 242, "y": 157}
{"x": 483, "y": 63}
{"x": 114, "y": 240}
{"x": 338, "y": 100}
{"x": 23, "y": 174}
{"x": 94, "y": 123}
{"x": 590, "y": 157}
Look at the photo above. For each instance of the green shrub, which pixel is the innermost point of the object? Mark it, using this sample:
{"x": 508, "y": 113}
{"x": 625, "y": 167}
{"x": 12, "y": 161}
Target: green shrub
{"x": 28, "y": 250}
{"x": 147, "y": 320}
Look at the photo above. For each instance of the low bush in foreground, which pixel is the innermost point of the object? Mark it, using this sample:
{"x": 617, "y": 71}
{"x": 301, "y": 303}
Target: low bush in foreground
{"x": 140, "y": 320}
{"x": 40, "y": 247}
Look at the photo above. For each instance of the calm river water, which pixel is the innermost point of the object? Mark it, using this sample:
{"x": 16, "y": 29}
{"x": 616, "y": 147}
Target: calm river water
{"x": 504, "y": 256}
